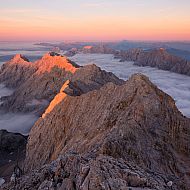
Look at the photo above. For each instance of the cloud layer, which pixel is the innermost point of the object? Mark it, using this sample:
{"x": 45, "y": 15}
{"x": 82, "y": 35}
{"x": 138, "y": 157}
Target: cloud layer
{"x": 176, "y": 85}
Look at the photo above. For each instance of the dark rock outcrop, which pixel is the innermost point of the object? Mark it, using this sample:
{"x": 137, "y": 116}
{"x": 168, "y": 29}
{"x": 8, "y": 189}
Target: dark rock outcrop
{"x": 12, "y": 151}
{"x": 11, "y": 142}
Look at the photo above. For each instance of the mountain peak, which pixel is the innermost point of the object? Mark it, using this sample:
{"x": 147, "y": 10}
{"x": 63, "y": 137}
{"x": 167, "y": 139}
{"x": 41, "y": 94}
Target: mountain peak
{"x": 52, "y": 59}
{"x": 19, "y": 58}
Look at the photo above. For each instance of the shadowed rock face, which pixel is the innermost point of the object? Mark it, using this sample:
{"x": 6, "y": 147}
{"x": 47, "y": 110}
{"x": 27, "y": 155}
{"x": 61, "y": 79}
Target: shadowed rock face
{"x": 109, "y": 131}
{"x": 11, "y": 142}
{"x": 36, "y": 84}
{"x": 158, "y": 58}
{"x": 12, "y": 150}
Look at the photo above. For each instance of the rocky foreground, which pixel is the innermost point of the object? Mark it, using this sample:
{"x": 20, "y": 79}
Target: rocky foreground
{"x": 12, "y": 151}
{"x": 100, "y": 132}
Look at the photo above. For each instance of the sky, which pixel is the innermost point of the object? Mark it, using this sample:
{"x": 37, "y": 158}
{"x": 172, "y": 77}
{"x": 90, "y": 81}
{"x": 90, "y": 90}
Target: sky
{"x": 94, "y": 20}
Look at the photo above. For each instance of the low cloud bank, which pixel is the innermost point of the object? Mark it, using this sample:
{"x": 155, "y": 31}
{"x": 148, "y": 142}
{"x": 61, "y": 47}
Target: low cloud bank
{"x": 17, "y": 123}
{"x": 5, "y": 91}
{"x": 176, "y": 85}
{"x": 12, "y": 122}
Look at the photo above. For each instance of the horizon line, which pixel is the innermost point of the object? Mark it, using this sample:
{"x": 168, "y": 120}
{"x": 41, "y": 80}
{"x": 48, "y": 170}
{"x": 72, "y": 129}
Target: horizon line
{"x": 95, "y": 41}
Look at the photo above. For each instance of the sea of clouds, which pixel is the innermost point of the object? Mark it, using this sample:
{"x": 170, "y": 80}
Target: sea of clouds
{"x": 176, "y": 85}
{"x": 14, "y": 122}
{"x": 17, "y": 123}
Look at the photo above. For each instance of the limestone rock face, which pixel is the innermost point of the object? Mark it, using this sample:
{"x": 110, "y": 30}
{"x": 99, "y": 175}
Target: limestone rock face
{"x": 134, "y": 123}
{"x": 85, "y": 79}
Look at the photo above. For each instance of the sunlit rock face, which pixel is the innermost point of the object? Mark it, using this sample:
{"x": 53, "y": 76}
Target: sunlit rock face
{"x": 51, "y": 60}
{"x": 57, "y": 99}
{"x": 35, "y": 83}
{"x": 126, "y": 125}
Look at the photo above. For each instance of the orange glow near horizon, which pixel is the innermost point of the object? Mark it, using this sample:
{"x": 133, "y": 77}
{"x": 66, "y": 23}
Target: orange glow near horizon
{"x": 125, "y": 29}
{"x": 34, "y": 24}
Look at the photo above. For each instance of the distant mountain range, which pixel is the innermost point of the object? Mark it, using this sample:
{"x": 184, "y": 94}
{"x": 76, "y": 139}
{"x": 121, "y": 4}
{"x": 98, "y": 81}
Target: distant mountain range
{"x": 161, "y": 58}
{"x": 181, "y": 49}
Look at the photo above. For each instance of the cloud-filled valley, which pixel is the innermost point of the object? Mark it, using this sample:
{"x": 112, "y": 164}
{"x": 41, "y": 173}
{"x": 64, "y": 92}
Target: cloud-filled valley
{"x": 176, "y": 85}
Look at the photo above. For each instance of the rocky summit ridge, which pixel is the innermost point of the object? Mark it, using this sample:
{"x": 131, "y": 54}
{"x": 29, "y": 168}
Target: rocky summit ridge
{"x": 36, "y": 84}
{"x": 103, "y": 133}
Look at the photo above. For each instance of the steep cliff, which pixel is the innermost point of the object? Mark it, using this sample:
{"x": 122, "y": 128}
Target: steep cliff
{"x": 110, "y": 130}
